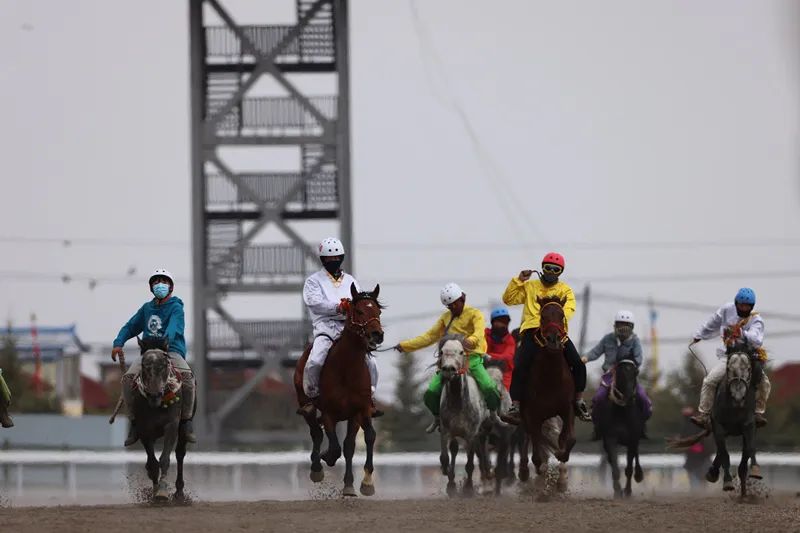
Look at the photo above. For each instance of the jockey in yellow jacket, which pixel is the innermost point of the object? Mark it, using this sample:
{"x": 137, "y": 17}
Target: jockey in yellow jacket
{"x": 522, "y": 290}
{"x": 469, "y": 322}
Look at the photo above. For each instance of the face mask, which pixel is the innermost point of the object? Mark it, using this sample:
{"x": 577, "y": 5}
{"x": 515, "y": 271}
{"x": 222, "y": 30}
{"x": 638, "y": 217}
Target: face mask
{"x": 160, "y": 290}
{"x": 549, "y": 279}
{"x": 499, "y": 332}
{"x": 623, "y": 332}
{"x": 742, "y": 314}
{"x": 333, "y": 266}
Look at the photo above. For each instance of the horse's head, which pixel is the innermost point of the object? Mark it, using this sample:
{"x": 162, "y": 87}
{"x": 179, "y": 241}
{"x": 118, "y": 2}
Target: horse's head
{"x": 452, "y": 356}
{"x": 739, "y": 373}
{"x": 364, "y": 317}
{"x": 552, "y": 326}
{"x": 623, "y": 386}
{"x": 155, "y": 375}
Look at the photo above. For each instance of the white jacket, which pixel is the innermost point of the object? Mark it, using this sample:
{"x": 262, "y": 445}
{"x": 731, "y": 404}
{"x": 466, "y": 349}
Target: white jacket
{"x": 322, "y": 296}
{"x": 726, "y": 317}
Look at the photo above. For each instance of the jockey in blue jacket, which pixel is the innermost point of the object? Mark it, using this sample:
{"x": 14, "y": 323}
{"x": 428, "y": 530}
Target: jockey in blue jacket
{"x": 162, "y": 316}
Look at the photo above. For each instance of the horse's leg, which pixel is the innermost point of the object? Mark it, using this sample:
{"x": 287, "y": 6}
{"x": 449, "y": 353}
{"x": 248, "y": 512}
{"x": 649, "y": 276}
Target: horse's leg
{"x": 180, "y": 453}
{"x": 482, "y": 451}
{"x": 468, "y": 489}
{"x": 629, "y": 470}
{"x": 638, "y": 474}
{"x": 610, "y": 446}
{"x": 566, "y": 439}
{"x": 170, "y": 440}
{"x": 725, "y": 459}
{"x": 748, "y": 451}
{"x": 349, "y": 449}
{"x": 501, "y": 467}
{"x": 451, "y": 471}
{"x": 511, "y": 466}
{"x": 755, "y": 469}
{"x": 444, "y": 458}
{"x": 524, "y": 444}
{"x": 538, "y": 456}
{"x": 152, "y": 462}
{"x": 317, "y": 474}
{"x": 367, "y": 485}
{"x": 334, "y": 451}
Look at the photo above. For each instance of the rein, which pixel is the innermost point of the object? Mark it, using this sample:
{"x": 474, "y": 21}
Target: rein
{"x": 174, "y": 383}
{"x": 613, "y": 392}
{"x": 360, "y": 328}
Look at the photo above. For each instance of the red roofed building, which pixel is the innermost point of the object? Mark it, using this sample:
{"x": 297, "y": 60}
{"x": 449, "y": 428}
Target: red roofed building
{"x": 785, "y": 382}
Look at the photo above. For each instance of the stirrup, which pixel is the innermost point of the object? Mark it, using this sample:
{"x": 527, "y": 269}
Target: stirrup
{"x": 513, "y": 416}
{"x": 760, "y": 420}
{"x": 307, "y": 409}
{"x": 187, "y": 429}
{"x": 434, "y": 425}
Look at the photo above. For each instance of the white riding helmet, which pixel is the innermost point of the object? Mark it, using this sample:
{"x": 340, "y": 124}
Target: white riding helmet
{"x": 450, "y": 293}
{"x": 624, "y": 316}
{"x": 331, "y": 247}
{"x": 163, "y": 272}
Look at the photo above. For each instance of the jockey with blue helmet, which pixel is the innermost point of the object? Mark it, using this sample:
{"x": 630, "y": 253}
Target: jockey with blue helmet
{"x": 739, "y": 327}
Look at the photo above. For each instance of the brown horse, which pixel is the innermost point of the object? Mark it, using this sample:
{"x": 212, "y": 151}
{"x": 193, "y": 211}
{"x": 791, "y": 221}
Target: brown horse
{"x": 550, "y": 388}
{"x": 346, "y": 391}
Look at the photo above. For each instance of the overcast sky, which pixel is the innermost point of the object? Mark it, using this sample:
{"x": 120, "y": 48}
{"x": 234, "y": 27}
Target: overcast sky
{"x": 596, "y": 126}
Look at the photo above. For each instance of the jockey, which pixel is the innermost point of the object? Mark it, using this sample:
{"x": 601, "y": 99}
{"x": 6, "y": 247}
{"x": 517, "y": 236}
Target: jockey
{"x": 5, "y": 403}
{"x": 523, "y": 290}
{"x": 620, "y": 344}
{"x": 737, "y": 324}
{"x": 500, "y": 344}
{"x": 469, "y": 322}
{"x": 326, "y": 294}
{"x": 161, "y": 316}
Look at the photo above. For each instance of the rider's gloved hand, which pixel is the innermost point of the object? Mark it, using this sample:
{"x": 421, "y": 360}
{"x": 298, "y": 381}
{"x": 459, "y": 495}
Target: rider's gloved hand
{"x": 398, "y": 348}
{"x": 525, "y": 275}
{"x": 117, "y": 352}
{"x": 469, "y": 344}
{"x": 695, "y": 340}
{"x": 343, "y": 307}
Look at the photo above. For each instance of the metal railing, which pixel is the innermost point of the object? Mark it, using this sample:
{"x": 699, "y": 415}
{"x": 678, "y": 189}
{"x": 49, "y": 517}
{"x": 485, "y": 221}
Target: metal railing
{"x": 315, "y": 43}
{"x": 271, "y": 333}
{"x": 273, "y": 259}
{"x": 272, "y": 188}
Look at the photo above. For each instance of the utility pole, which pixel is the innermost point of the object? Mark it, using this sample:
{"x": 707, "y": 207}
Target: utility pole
{"x": 586, "y": 299}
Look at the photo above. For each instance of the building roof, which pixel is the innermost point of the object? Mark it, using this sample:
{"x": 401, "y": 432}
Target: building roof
{"x": 54, "y": 342}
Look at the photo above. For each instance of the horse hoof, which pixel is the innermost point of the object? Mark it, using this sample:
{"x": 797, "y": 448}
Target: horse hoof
{"x": 638, "y": 476}
{"x": 755, "y": 472}
{"x": 617, "y": 494}
{"x": 468, "y": 491}
{"x": 628, "y": 493}
{"x": 316, "y": 477}
{"x": 367, "y": 490}
{"x": 161, "y": 495}
{"x": 349, "y": 492}
{"x": 728, "y": 486}
{"x": 712, "y": 476}
{"x": 524, "y": 475}
{"x": 452, "y": 490}
{"x": 561, "y": 486}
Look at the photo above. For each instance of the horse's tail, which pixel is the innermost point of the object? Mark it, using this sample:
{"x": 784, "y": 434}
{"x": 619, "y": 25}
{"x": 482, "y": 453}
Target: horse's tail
{"x": 682, "y": 443}
{"x": 120, "y": 402}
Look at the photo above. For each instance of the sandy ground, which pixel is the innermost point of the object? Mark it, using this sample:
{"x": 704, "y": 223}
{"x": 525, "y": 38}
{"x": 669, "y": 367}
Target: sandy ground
{"x": 678, "y": 514}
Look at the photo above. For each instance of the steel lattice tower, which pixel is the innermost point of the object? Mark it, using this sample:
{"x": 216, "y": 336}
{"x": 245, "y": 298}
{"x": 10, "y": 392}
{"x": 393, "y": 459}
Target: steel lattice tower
{"x": 231, "y": 207}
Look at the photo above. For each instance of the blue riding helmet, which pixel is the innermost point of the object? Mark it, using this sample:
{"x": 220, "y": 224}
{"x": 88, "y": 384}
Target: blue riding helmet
{"x": 745, "y": 296}
{"x": 500, "y": 312}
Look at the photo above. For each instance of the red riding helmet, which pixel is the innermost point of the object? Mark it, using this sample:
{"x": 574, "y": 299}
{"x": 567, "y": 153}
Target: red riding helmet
{"x": 554, "y": 258}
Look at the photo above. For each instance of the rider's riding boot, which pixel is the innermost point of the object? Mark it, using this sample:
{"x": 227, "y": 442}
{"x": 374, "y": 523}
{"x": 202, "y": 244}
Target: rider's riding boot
{"x": 700, "y": 419}
{"x": 376, "y": 413}
{"x": 434, "y": 425}
{"x": 512, "y": 416}
{"x": 187, "y": 430}
{"x": 582, "y": 411}
{"x": 133, "y": 435}
{"x": 5, "y": 419}
{"x": 761, "y": 420}
{"x": 307, "y": 409}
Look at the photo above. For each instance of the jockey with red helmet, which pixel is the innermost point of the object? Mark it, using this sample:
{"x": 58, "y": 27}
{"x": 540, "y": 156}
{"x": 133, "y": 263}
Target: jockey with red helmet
{"x": 522, "y": 290}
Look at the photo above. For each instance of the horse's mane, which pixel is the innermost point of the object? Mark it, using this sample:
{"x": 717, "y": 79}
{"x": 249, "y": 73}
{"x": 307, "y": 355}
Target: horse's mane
{"x": 368, "y": 296}
{"x": 153, "y": 343}
{"x": 451, "y": 337}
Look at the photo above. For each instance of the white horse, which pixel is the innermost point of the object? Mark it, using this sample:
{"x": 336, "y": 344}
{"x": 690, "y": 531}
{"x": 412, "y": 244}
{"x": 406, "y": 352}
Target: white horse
{"x": 465, "y": 419}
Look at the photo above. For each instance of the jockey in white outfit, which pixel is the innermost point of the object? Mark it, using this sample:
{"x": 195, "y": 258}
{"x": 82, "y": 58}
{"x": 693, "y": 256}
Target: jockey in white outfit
{"x": 735, "y": 323}
{"x": 323, "y": 293}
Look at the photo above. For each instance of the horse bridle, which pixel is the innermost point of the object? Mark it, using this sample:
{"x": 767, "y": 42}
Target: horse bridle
{"x": 360, "y": 328}
{"x": 613, "y": 392}
{"x": 540, "y": 340}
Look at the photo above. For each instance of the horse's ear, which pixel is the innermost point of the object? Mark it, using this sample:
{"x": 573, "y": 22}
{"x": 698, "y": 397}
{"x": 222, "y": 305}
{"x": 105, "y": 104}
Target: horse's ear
{"x": 376, "y": 291}
{"x": 139, "y": 342}
{"x": 563, "y": 301}
{"x": 353, "y": 290}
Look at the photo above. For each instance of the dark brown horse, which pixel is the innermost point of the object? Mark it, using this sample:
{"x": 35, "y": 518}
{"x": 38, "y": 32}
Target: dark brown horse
{"x": 346, "y": 391}
{"x": 550, "y": 388}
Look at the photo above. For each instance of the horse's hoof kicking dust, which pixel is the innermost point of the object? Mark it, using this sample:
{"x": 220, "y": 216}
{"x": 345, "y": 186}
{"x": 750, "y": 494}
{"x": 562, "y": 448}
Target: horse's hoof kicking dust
{"x": 316, "y": 477}
{"x": 349, "y": 492}
{"x": 367, "y": 490}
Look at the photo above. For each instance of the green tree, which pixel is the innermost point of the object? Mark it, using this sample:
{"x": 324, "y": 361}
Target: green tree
{"x": 403, "y": 427}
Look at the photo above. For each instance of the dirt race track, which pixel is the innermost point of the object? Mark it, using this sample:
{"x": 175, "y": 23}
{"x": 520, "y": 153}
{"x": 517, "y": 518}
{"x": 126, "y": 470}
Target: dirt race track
{"x": 720, "y": 514}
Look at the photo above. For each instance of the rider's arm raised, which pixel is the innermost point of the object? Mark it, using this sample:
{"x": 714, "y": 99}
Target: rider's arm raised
{"x": 515, "y": 292}
{"x": 132, "y": 327}
{"x": 427, "y": 338}
{"x": 315, "y": 299}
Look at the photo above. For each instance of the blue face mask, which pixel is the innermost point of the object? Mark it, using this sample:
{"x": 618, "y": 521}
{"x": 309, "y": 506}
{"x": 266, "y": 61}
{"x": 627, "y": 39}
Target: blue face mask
{"x": 160, "y": 290}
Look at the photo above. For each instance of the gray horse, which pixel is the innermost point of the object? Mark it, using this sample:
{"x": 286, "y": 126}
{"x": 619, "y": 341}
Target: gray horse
{"x": 157, "y": 410}
{"x": 463, "y": 413}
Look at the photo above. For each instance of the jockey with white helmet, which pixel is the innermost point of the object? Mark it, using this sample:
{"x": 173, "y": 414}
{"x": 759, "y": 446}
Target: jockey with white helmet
{"x": 469, "y": 322}
{"x": 162, "y": 316}
{"x": 739, "y": 328}
{"x": 324, "y": 294}
{"x": 619, "y": 345}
